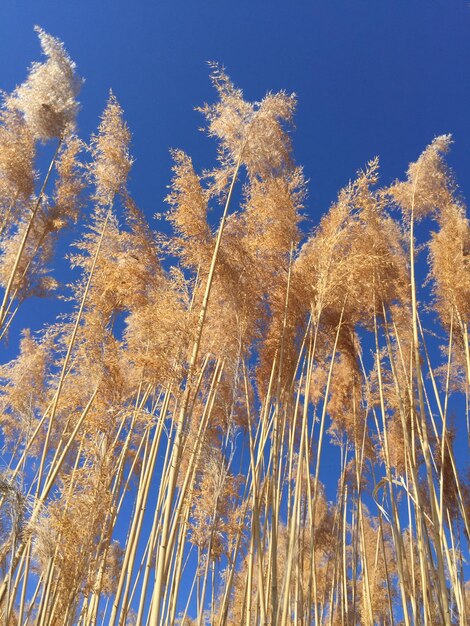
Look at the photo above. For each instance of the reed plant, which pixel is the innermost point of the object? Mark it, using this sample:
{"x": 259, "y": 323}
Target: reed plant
{"x": 234, "y": 422}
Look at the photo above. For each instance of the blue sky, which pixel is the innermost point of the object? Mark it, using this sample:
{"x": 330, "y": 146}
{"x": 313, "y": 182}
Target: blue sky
{"x": 372, "y": 77}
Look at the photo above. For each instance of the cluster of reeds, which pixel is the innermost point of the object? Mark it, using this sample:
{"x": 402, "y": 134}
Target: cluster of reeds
{"x": 235, "y": 424}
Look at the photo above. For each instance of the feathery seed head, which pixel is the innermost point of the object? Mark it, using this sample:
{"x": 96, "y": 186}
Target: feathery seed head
{"x": 188, "y": 212}
{"x": 254, "y": 133}
{"x": 110, "y": 151}
{"x": 16, "y": 157}
{"x": 429, "y": 184}
{"x": 449, "y": 258}
{"x": 47, "y": 98}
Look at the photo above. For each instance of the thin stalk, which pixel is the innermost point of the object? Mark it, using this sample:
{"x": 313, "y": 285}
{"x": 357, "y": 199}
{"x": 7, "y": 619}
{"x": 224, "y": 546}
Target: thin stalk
{"x": 22, "y": 246}
{"x": 69, "y": 351}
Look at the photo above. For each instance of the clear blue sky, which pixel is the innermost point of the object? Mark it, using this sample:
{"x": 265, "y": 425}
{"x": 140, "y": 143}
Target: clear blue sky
{"x": 373, "y": 77}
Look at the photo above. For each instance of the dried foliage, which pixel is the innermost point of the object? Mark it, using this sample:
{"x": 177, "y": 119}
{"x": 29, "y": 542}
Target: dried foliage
{"x": 233, "y": 424}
